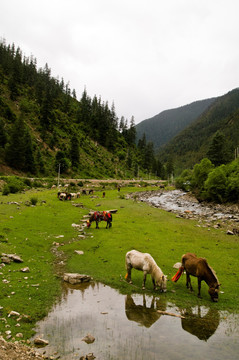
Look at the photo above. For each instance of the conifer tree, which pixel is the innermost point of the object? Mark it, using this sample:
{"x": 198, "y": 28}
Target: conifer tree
{"x": 74, "y": 152}
{"x": 30, "y": 165}
{"x": 3, "y": 134}
{"x": 15, "y": 149}
{"x": 219, "y": 152}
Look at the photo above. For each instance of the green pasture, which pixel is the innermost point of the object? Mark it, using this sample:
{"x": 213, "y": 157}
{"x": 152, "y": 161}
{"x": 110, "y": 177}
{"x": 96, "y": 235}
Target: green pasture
{"x": 31, "y": 231}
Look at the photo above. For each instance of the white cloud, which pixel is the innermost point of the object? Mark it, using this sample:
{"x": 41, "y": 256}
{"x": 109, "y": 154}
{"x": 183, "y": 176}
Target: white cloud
{"x": 144, "y": 56}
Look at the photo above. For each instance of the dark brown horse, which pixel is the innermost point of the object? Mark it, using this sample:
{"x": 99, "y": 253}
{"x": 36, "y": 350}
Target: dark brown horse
{"x": 199, "y": 268}
{"x": 98, "y": 216}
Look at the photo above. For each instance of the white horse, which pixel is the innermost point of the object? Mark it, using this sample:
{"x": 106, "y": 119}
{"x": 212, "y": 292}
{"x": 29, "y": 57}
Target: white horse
{"x": 146, "y": 263}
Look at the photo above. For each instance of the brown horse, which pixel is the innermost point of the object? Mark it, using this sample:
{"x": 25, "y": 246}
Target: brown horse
{"x": 199, "y": 267}
{"x": 98, "y": 216}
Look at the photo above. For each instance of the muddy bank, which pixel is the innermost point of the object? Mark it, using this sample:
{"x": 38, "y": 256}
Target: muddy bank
{"x": 187, "y": 206}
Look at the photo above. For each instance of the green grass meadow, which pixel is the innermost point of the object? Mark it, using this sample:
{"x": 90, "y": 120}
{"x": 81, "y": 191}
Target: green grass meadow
{"x": 30, "y": 231}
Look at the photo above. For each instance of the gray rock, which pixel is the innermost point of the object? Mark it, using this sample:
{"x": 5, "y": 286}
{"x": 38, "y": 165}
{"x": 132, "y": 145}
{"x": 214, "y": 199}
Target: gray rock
{"x": 74, "y": 278}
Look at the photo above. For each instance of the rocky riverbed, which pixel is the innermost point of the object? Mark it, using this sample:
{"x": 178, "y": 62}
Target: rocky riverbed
{"x": 185, "y": 205}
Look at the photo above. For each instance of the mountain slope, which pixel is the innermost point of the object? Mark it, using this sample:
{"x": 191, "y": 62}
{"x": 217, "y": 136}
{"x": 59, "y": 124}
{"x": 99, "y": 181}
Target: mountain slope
{"x": 161, "y": 128}
{"x": 192, "y": 144}
{"x": 43, "y": 126}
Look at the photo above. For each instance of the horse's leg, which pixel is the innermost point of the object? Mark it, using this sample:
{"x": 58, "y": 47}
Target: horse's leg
{"x": 199, "y": 287}
{"x": 97, "y": 224}
{"x": 129, "y": 267}
{"x": 154, "y": 283}
{"x": 144, "y": 280}
{"x": 188, "y": 283}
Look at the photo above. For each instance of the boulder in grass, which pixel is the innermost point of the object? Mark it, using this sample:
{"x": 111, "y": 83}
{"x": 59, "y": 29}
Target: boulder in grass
{"x": 74, "y": 278}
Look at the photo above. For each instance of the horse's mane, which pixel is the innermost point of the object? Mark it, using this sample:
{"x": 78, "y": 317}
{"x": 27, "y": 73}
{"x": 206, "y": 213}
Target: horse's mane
{"x": 211, "y": 270}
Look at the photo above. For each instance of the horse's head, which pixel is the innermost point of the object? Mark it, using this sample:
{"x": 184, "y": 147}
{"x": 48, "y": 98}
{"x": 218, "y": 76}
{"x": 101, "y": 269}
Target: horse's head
{"x": 213, "y": 292}
{"x": 162, "y": 283}
{"x": 88, "y": 223}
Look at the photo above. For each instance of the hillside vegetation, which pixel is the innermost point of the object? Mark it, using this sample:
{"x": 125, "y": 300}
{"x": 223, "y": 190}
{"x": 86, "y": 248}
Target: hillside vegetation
{"x": 44, "y": 128}
{"x": 194, "y": 142}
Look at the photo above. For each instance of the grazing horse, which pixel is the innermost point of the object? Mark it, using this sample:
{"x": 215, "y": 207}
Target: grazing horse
{"x": 98, "y": 216}
{"x": 199, "y": 268}
{"x": 145, "y": 262}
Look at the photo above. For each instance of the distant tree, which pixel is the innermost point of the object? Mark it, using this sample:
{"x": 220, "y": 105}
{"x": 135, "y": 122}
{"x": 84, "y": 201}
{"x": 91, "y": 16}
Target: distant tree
{"x": 216, "y": 184}
{"x": 74, "y": 151}
{"x": 61, "y": 160}
{"x": 219, "y": 151}
{"x": 3, "y": 134}
{"x": 15, "y": 148}
{"x": 200, "y": 174}
{"x": 149, "y": 156}
{"x": 142, "y": 142}
{"x": 131, "y": 133}
{"x": 30, "y": 165}
{"x": 12, "y": 85}
{"x": 74, "y": 94}
{"x": 40, "y": 167}
{"x": 84, "y": 111}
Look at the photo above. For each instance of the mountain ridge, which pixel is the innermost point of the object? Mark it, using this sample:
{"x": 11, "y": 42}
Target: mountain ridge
{"x": 161, "y": 128}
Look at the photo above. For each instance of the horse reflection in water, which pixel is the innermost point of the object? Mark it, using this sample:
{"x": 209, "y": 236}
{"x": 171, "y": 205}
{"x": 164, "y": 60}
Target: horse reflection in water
{"x": 143, "y": 315}
{"x": 202, "y": 326}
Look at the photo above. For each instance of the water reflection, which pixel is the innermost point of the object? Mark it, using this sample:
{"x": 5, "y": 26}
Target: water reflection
{"x": 129, "y": 327}
{"x": 201, "y": 322}
{"x": 143, "y": 315}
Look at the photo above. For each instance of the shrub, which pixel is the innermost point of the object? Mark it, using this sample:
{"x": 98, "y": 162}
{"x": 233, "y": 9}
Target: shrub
{"x": 184, "y": 180}
{"x": 6, "y": 190}
{"x": 33, "y": 200}
{"x": 15, "y": 184}
{"x": 28, "y": 182}
{"x": 216, "y": 184}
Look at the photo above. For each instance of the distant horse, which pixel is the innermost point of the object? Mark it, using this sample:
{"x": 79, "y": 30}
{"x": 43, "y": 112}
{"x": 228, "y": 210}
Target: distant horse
{"x": 98, "y": 216}
{"x": 145, "y": 262}
{"x": 199, "y": 267}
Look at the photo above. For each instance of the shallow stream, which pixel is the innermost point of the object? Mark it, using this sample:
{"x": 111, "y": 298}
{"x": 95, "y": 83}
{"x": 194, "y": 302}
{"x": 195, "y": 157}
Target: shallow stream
{"x": 128, "y": 327}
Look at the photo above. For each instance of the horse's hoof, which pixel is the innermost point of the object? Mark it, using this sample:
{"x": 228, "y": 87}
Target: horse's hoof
{"x": 143, "y": 288}
{"x": 131, "y": 282}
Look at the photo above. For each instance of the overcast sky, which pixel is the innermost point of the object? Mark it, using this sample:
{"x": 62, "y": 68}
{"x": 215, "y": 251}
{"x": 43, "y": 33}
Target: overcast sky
{"x": 146, "y": 56}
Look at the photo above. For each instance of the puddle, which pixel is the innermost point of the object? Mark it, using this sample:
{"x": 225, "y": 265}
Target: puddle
{"x": 128, "y": 327}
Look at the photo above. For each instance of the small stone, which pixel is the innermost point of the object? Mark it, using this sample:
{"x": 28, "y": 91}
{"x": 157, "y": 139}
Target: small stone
{"x": 79, "y": 252}
{"x": 19, "y": 335}
{"x": 40, "y": 342}
{"x": 13, "y": 313}
{"x": 89, "y": 339}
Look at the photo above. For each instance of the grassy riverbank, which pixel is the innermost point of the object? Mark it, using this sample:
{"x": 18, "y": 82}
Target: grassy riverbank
{"x": 31, "y": 232}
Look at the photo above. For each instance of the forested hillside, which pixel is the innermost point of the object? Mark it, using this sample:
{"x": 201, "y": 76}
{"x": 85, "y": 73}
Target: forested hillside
{"x": 161, "y": 128}
{"x": 44, "y": 128}
{"x": 215, "y": 134}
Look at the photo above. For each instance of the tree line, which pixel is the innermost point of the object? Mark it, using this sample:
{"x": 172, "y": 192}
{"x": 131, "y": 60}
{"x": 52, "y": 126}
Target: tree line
{"x": 215, "y": 178}
{"x": 43, "y": 124}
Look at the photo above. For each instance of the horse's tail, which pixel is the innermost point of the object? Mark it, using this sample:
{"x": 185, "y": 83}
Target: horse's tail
{"x": 178, "y": 274}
